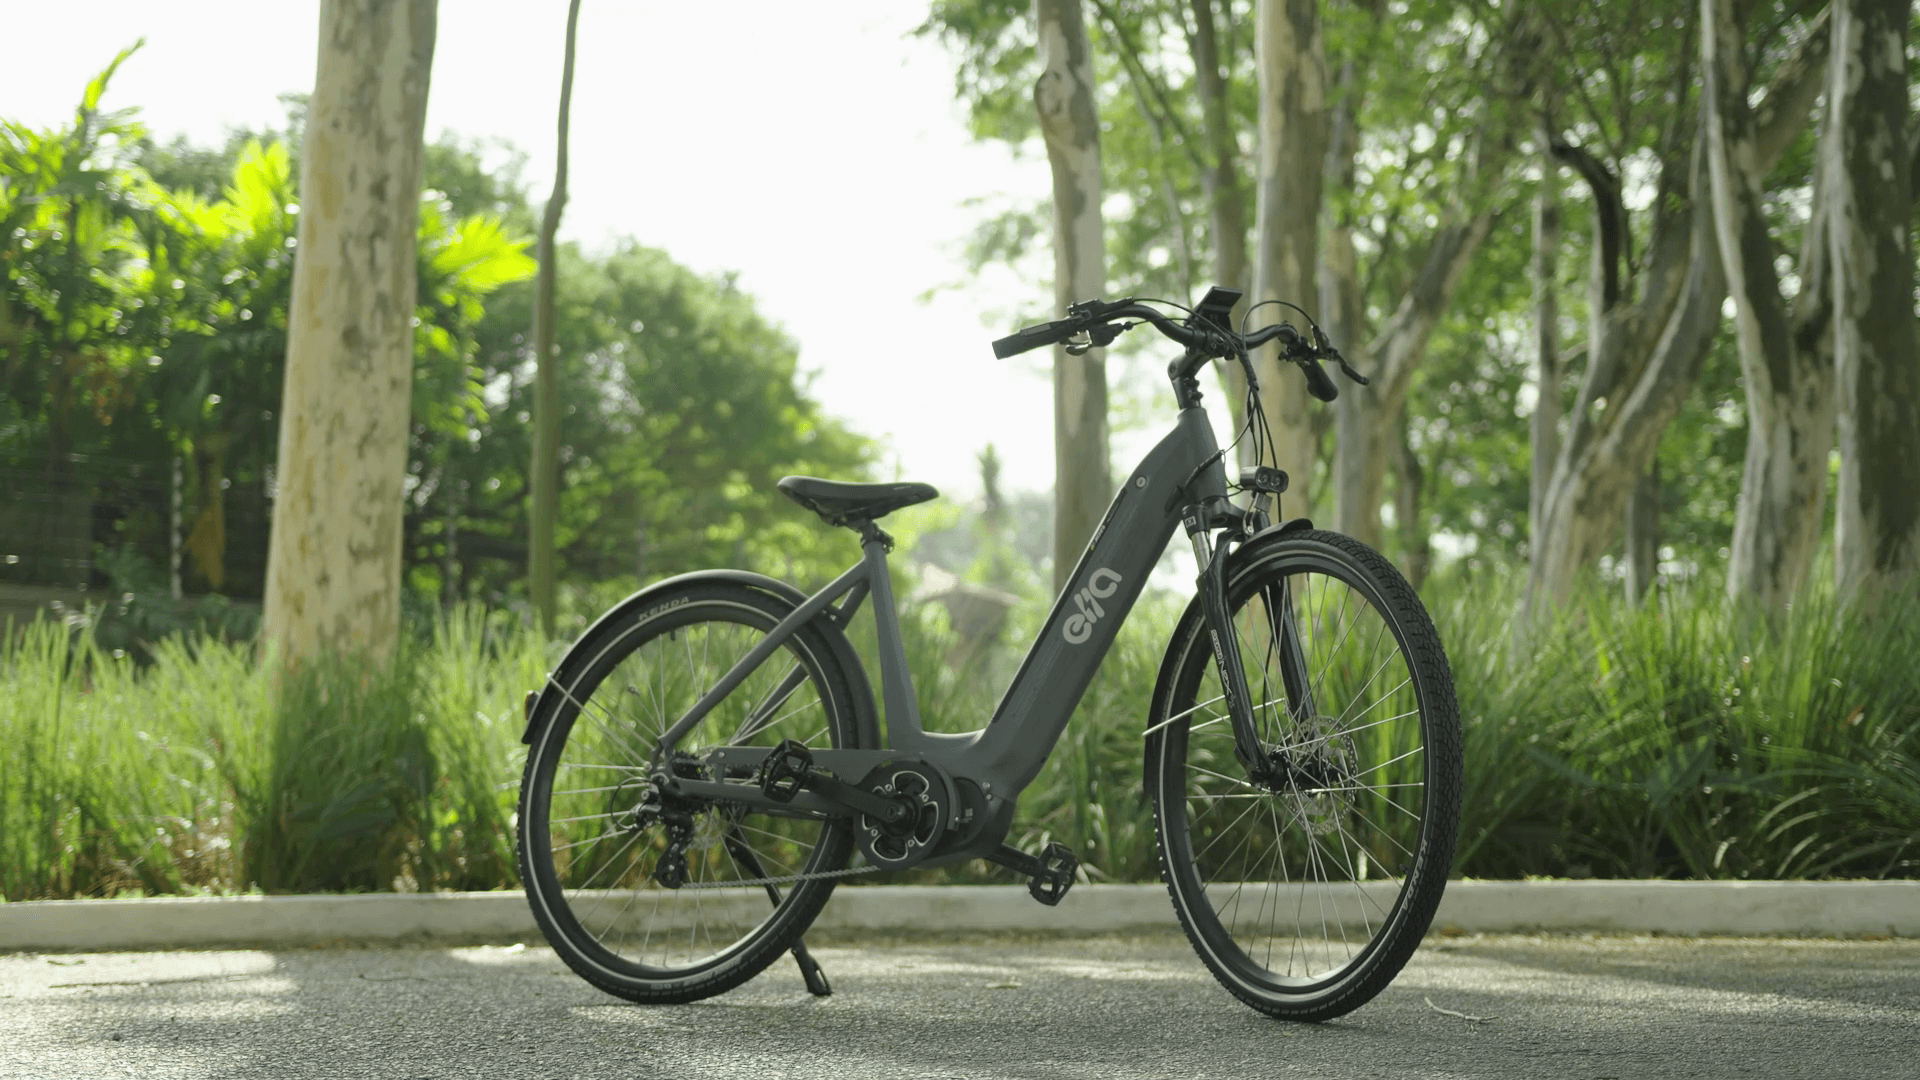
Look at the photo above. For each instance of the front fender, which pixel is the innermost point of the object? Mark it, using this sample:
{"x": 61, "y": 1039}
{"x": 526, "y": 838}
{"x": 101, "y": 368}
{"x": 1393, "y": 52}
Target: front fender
{"x": 828, "y": 623}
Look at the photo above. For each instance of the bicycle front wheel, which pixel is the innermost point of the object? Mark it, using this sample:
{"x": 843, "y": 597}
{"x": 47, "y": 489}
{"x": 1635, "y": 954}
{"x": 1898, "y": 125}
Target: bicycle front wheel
{"x": 1305, "y": 888}
{"x": 590, "y": 848}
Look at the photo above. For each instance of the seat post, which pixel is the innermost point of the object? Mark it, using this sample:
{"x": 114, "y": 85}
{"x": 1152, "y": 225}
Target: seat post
{"x": 896, "y": 683}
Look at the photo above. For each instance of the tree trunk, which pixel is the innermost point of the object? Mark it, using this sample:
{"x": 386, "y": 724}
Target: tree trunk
{"x": 1643, "y": 535}
{"x": 1226, "y": 201}
{"x": 1220, "y": 179}
{"x": 450, "y": 537}
{"x": 1789, "y": 388}
{"x": 543, "y": 506}
{"x": 175, "y": 529}
{"x": 1545, "y": 271}
{"x": 1647, "y": 338}
{"x": 1367, "y": 420}
{"x": 1870, "y": 191}
{"x": 1368, "y": 416}
{"x": 333, "y": 563}
{"x": 1642, "y": 358}
{"x": 1064, "y": 99}
{"x": 1293, "y": 147}
{"x": 1360, "y": 444}
{"x": 1410, "y": 482}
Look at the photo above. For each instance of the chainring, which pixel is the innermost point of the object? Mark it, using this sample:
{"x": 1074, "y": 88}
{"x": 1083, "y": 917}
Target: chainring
{"x": 928, "y": 798}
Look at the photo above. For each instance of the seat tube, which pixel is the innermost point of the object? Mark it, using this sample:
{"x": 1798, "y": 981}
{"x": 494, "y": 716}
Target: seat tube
{"x": 896, "y": 683}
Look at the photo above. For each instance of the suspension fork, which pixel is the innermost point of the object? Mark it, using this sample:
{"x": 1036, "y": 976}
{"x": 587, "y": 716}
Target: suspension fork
{"x": 1283, "y": 641}
{"x": 1284, "y": 625}
{"x": 1212, "y": 586}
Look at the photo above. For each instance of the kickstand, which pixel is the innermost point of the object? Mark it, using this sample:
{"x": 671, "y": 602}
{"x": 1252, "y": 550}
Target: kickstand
{"x": 816, "y": 979}
{"x": 817, "y": 983}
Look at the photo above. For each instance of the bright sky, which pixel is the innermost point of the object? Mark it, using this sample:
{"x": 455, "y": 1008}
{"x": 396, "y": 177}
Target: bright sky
{"x": 814, "y": 149}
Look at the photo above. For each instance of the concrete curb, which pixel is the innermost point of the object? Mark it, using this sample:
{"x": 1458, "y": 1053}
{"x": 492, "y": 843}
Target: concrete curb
{"x": 1684, "y": 908}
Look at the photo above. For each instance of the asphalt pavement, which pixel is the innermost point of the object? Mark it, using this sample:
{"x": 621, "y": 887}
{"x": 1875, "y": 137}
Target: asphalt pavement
{"x": 979, "y": 1007}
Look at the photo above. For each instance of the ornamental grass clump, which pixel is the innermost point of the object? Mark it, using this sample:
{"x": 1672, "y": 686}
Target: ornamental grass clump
{"x": 1681, "y": 737}
{"x": 1689, "y": 737}
{"x": 114, "y": 779}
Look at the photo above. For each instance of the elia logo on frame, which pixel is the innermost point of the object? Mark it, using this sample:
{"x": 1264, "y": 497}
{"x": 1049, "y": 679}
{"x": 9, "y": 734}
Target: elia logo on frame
{"x": 1100, "y": 585}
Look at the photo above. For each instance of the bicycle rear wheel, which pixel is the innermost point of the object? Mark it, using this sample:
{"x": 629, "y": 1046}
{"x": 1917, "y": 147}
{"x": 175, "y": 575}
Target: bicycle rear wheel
{"x": 588, "y": 849}
{"x": 1306, "y": 891}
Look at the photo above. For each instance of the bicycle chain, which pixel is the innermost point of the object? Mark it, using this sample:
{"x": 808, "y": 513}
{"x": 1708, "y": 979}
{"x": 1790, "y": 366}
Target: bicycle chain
{"x": 746, "y": 882}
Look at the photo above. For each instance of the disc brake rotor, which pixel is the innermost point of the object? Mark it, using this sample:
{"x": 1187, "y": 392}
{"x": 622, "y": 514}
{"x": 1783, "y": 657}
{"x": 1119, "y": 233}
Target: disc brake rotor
{"x": 1318, "y": 766}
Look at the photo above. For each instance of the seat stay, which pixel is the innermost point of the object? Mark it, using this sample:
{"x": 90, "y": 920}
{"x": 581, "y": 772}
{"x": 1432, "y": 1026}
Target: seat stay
{"x": 758, "y": 717}
{"x": 855, "y": 577}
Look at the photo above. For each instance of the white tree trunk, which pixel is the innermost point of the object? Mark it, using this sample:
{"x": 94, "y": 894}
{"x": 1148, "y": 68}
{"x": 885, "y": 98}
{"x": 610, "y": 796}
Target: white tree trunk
{"x": 1068, "y": 121}
{"x": 1783, "y": 359}
{"x": 1643, "y": 354}
{"x": 1368, "y": 422}
{"x": 1293, "y": 146}
{"x": 1877, "y": 360}
{"x": 1367, "y": 418}
{"x": 1226, "y": 205}
{"x": 333, "y": 564}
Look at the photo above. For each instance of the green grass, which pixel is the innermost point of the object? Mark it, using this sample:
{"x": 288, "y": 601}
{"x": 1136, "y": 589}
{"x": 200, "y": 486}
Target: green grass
{"x": 199, "y": 773}
{"x": 1688, "y": 738}
{"x": 1677, "y": 739}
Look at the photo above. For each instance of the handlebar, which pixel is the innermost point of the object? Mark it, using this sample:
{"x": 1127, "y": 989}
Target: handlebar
{"x": 1203, "y": 340}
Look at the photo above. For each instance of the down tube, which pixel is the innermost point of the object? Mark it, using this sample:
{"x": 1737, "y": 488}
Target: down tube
{"x": 1086, "y": 617}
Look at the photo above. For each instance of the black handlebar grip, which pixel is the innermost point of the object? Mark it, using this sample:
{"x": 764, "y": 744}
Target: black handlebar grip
{"x": 1317, "y": 382}
{"x": 1032, "y": 338}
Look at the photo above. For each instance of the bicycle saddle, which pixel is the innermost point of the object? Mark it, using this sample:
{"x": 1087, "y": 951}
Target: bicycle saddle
{"x": 843, "y": 504}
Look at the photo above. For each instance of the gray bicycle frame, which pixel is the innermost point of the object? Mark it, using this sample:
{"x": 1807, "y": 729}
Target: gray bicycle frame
{"x": 1182, "y": 471}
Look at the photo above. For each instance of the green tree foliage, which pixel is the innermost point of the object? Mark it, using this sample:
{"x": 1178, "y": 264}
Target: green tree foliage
{"x": 85, "y": 296}
{"x": 682, "y": 406}
{"x": 1451, "y": 100}
{"x": 144, "y": 291}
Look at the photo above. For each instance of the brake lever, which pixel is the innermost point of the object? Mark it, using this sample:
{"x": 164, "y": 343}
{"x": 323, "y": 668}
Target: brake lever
{"x": 1098, "y": 336}
{"x": 1325, "y": 348}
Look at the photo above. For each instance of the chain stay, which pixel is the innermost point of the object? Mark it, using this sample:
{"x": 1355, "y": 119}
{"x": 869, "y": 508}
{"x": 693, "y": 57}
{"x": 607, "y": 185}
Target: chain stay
{"x": 749, "y": 882}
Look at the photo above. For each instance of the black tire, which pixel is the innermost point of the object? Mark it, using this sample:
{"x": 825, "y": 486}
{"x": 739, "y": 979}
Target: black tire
{"x": 587, "y": 865}
{"x": 1305, "y": 896}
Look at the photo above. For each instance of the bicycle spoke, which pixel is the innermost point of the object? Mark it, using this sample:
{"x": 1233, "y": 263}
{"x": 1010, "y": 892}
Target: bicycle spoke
{"x": 632, "y": 895}
{"x": 1184, "y": 713}
{"x": 1222, "y": 834}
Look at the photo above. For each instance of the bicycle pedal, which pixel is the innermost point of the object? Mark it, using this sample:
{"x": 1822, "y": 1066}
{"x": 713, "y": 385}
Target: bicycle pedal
{"x": 786, "y": 770}
{"x": 1050, "y": 882}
